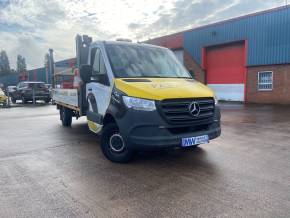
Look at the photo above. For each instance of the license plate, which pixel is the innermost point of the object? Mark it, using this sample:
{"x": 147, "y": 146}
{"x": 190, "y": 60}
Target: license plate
{"x": 186, "y": 142}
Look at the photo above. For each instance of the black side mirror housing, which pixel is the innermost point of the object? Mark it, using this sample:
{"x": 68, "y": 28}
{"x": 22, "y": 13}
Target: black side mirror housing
{"x": 103, "y": 78}
{"x": 86, "y": 73}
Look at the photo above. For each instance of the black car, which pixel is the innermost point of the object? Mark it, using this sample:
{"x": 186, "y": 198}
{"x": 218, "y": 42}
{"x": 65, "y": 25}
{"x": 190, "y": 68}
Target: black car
{"x": 26, "y": 91}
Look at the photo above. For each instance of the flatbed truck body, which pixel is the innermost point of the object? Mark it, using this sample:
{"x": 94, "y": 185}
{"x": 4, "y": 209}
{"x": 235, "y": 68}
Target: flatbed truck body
{"x": 137, "y": 97}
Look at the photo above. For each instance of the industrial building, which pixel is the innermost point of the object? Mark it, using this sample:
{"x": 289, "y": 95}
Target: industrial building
{"x": 39, "y": 74}
{"x": 242, "y": 59}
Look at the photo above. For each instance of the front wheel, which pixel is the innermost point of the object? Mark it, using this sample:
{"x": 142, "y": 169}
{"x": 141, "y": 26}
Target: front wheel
{"x": 113, "y": 145}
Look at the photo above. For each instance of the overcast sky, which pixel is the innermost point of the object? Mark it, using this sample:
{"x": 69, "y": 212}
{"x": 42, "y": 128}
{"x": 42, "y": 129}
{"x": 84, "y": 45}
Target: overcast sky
{"x": 30, "y": 27}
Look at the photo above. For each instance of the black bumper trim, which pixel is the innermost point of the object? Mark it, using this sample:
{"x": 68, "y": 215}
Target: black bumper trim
{"x": 148, "y": 130}
{"x": 163, "y": 142}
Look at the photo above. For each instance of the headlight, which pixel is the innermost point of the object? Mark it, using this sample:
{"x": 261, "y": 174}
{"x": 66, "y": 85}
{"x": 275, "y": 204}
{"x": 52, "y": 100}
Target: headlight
{"x": 139, "y": 103}
{"x": 216, "y": 101}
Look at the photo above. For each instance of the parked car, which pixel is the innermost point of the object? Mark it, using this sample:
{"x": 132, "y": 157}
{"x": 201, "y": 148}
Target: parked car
{"x": 11, "y": 89}
{"x": 25, "y": 91}
{"x": 3, "y": 97}
{"x": 49, "y": 87}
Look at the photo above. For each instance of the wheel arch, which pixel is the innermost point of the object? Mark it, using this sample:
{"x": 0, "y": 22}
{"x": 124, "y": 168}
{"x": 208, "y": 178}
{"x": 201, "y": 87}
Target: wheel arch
{"x": 109, "y": 118}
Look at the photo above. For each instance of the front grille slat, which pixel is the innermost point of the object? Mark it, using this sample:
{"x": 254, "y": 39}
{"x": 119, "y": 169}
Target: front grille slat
{"x": 176, "y": 111}
{"x": 210, "y": 108}
{"x": 206, "y": 102}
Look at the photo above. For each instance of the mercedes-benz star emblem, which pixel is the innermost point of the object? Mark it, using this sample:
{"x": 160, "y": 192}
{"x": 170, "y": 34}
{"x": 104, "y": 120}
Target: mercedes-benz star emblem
{"x": 194, "y": 109}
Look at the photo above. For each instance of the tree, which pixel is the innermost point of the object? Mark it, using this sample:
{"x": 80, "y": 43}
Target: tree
{"x": 24, "y": 64}
{"x": 21, "y": 64}
{"x": 4, "y": 63}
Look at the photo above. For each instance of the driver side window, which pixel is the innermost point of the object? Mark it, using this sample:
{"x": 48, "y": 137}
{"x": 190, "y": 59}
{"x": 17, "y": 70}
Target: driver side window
{"x": 99, "y": 64}
{"x": 99, "y": 68}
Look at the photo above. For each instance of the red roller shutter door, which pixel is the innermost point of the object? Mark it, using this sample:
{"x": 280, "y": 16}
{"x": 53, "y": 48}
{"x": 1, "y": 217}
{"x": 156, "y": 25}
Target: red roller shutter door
{"x": 225, "y": 67}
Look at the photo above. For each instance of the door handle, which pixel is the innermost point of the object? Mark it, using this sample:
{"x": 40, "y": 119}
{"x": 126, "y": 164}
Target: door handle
{"x": 90, "y": 89}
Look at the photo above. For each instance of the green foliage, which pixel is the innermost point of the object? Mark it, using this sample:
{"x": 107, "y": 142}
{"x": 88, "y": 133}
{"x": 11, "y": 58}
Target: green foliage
{"x": 4, "y": 63}
{"x": 21, "y": 64}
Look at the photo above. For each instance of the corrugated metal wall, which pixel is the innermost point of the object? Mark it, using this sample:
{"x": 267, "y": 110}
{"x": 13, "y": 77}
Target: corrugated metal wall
{"x": 268, "y": 36}
{"x": 174, "y": 41}
{"x": 38, "y": 74}
{"x": 32, "y": 75}
{"x": 66, "y": 63}
{"x": 9, "y": 79}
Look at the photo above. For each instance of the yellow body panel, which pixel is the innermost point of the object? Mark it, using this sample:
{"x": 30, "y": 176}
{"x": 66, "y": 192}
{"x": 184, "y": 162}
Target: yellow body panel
{"x": 164, "y": 88}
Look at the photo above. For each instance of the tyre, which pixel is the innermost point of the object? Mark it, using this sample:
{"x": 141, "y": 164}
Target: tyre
{"x": 65, "y": 116}
{"x": 113, "y": 146}
{"x": 47, "y": 100}
{"x": 13, "y": 100}
{"x": 24, "y": 101}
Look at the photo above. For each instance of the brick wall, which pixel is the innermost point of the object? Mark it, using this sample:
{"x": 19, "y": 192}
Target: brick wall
{"x": 281, "y": 82}
{"x": 191, "y": 64}
{"x": 281, "y": 85}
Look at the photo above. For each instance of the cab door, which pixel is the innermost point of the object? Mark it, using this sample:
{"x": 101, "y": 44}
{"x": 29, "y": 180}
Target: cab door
{"x": 98, "y": 90}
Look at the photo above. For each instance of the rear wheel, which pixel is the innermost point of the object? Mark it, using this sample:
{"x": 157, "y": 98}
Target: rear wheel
{"x": 113, "y": 145}
{"x": 65, "y": 116}
{"x": 47, "y": 100}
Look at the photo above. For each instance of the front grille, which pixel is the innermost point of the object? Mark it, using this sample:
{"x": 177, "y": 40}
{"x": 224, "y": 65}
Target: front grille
{"x": 176, "y": 111}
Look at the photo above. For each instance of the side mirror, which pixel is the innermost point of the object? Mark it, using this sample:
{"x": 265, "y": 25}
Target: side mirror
{"x": 86, "y": 73}
{"x": 102, "y": 78}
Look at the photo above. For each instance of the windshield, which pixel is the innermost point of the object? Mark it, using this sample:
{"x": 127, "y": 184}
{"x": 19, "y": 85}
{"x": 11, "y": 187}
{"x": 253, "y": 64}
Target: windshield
{"x": 37, "y": 85}
{"x": 144, "y": 61}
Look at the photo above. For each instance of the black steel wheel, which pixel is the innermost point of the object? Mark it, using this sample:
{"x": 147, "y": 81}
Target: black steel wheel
{"x": 113, "y": 145}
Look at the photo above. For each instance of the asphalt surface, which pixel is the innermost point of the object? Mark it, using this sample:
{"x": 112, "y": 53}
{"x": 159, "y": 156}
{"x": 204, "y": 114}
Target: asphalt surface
{"x": 50, "y": 171}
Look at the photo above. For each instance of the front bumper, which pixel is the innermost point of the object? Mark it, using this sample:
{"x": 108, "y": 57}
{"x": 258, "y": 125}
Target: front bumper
{"x": 148, "y": 130}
